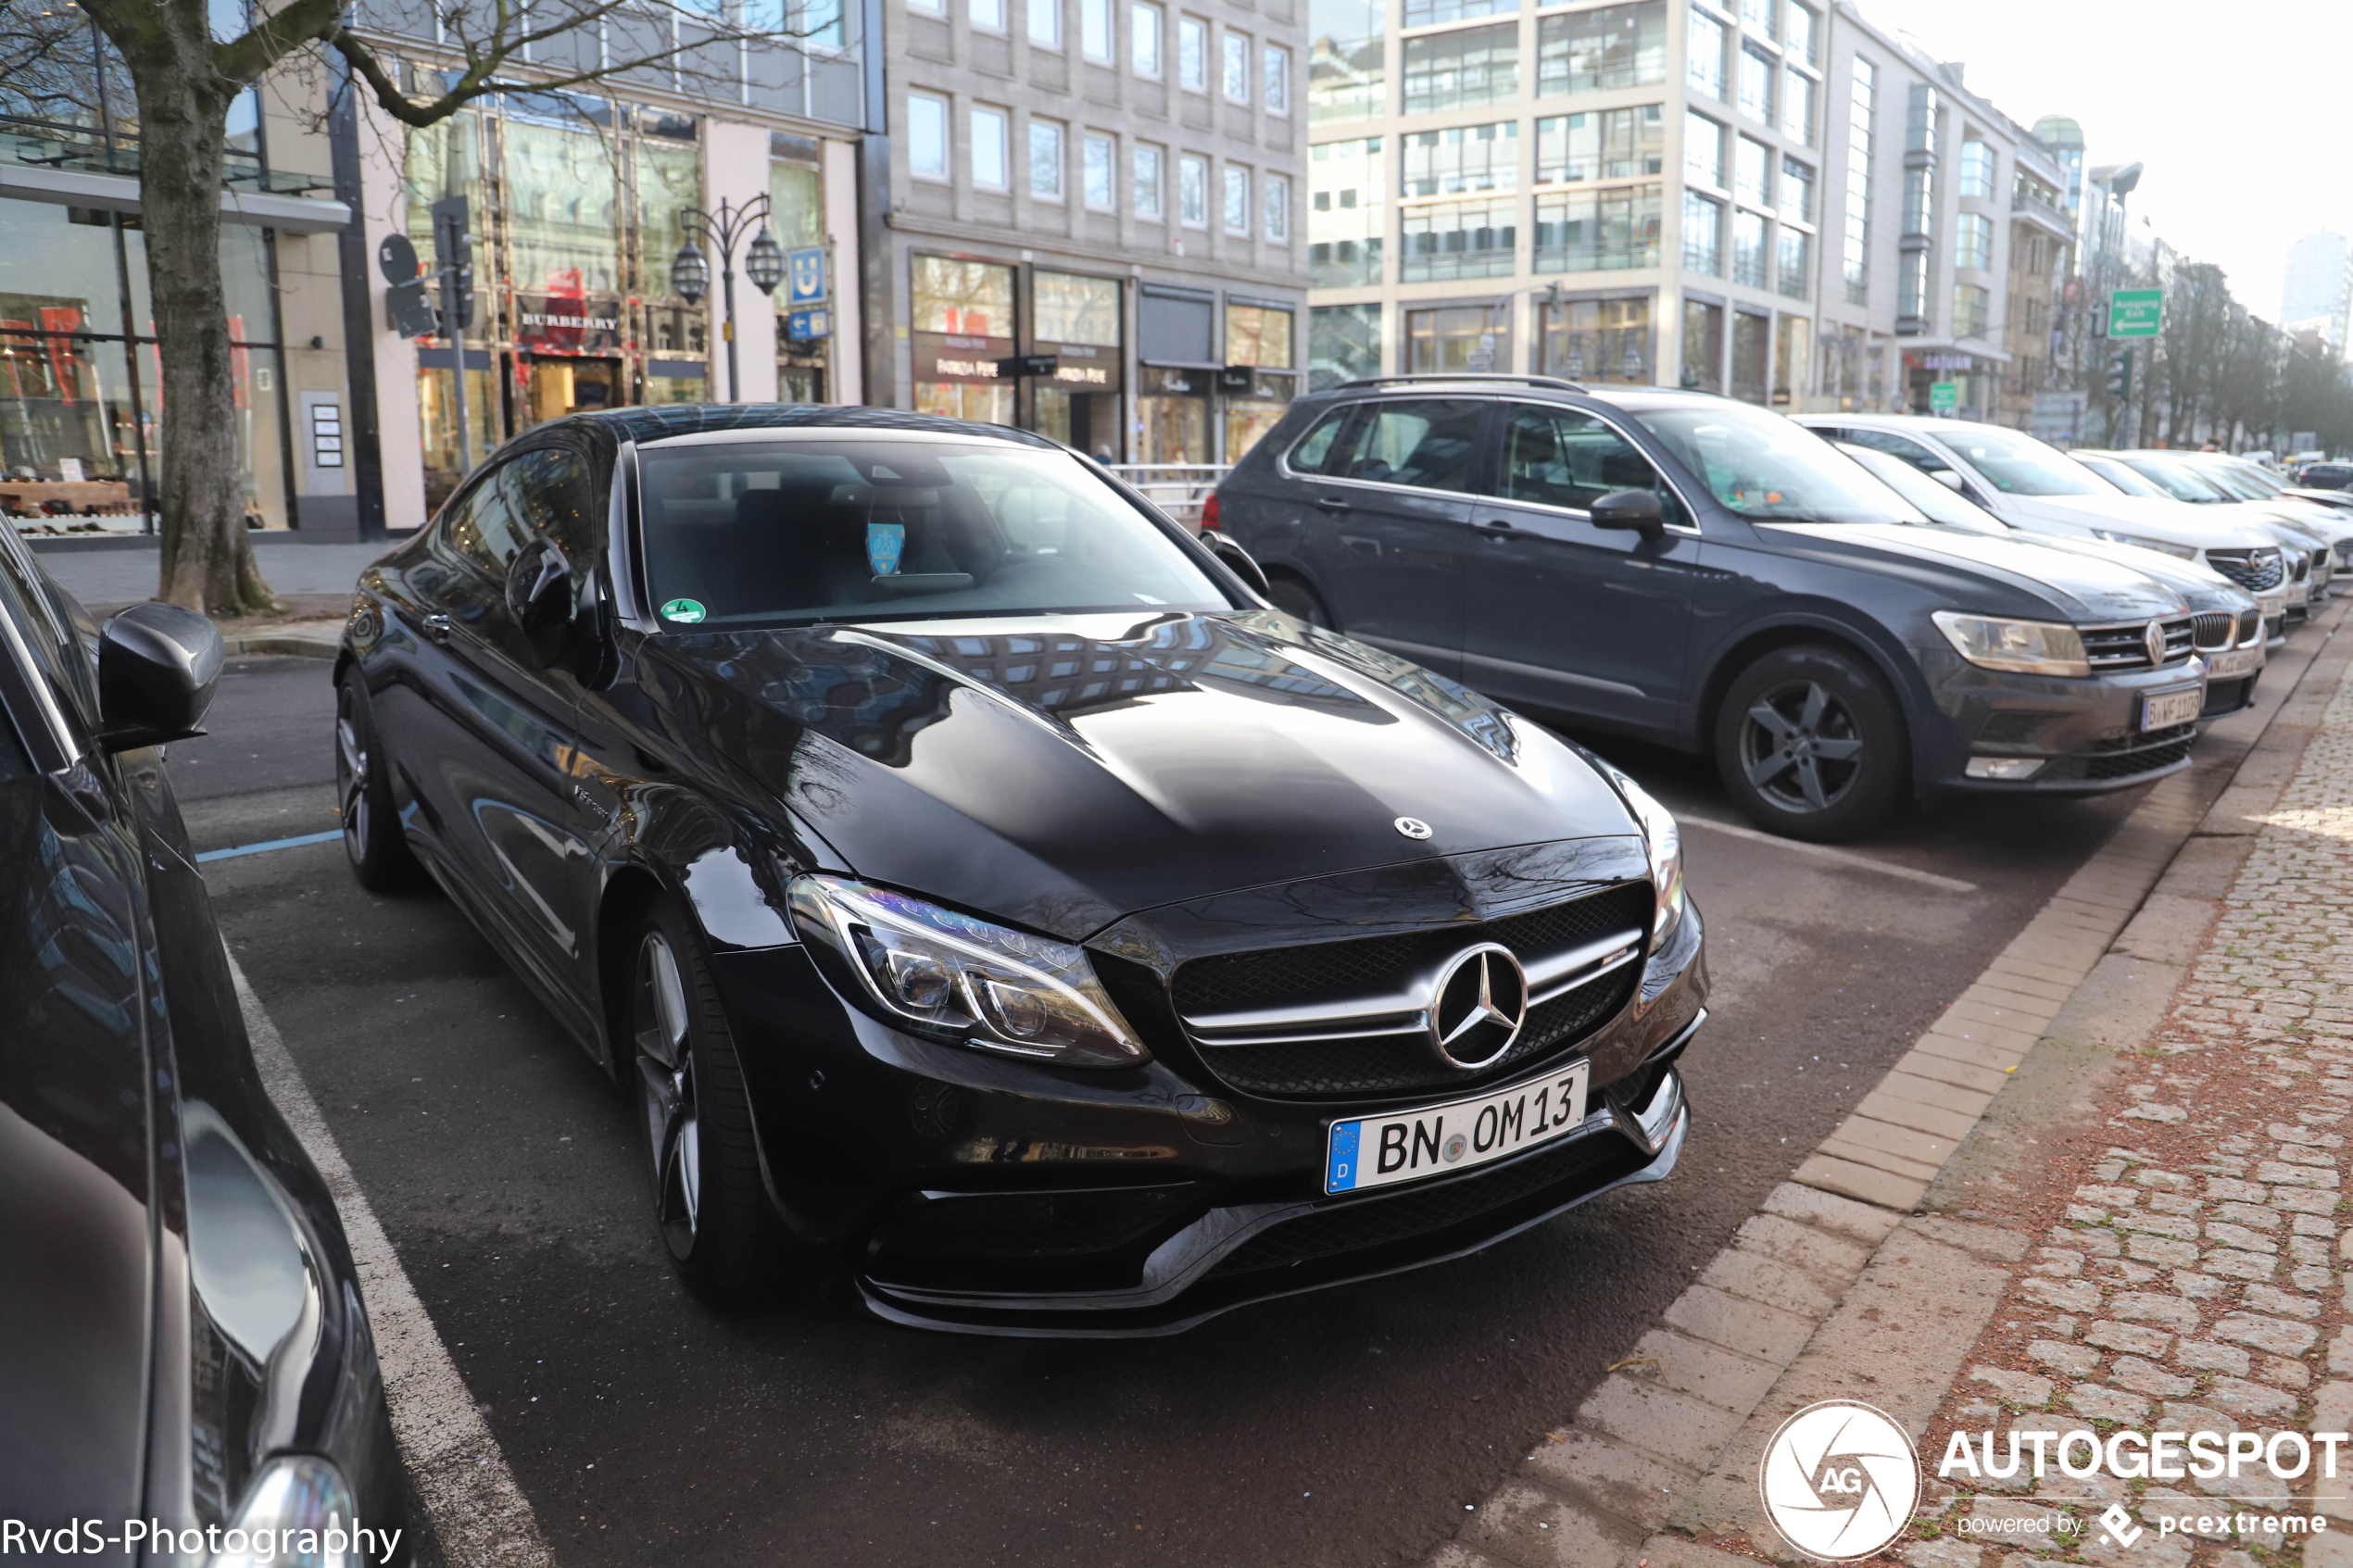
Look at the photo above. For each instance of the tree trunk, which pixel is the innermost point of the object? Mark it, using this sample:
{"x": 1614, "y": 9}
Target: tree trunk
{"x": 208, "y": 560}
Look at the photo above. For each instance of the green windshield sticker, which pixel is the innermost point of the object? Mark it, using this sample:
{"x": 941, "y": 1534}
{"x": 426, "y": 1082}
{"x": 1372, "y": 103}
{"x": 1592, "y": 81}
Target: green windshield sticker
{"x": 686, "y": 610}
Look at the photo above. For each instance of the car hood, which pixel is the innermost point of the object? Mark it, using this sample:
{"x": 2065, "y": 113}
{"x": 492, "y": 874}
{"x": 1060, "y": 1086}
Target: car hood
{"x": 2201, "y": 588}
{"x": 1064, "y": 771}
{"x": 2175, "y": 522}
{"x": 2080, "y": 587}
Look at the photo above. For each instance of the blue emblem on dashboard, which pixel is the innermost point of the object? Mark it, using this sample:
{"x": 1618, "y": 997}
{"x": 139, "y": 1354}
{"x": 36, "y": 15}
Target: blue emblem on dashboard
{"x": 886, "y": 542}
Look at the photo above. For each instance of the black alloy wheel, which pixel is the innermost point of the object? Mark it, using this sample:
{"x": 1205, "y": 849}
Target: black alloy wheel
{"x": 710, "y": 1203}
{"x": 372, "y": 835}
{"x": 1810, "y": 743}
{"x": 1298, "y": 600}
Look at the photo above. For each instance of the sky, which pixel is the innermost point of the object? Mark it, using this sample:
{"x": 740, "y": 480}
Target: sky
{"x": 2239, "y": 108}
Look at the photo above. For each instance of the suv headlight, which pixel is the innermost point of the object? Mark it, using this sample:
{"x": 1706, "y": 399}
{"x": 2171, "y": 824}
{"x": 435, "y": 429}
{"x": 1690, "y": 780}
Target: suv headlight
{"x": 298, "y": 1513}
{"x": 2027, "y": 647}
{"x": 1663, "y": 842}
{"x": 993, "y": 988}
{"x": 2183, "y": 552}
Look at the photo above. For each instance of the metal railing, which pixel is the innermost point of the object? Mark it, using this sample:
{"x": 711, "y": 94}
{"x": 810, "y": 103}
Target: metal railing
{"x": 1177, "y": 489}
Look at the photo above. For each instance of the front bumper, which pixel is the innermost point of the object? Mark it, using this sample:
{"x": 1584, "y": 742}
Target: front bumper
{"x": 2083, "y": 736}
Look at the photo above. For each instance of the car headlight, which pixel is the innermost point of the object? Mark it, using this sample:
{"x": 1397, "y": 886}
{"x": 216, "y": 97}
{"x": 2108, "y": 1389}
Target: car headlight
{"x": 2181, "y": 552}
{"x": 1663, "y": 842}
{"x": 298, "y": 1513}
{"x": 2026, "y": 647}
{"x": 993, "y": 988}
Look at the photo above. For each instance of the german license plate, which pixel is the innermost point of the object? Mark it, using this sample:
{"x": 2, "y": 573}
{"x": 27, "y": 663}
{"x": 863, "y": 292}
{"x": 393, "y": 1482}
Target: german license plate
{"x": 2300, "y": 593}
{"x": 2273, "y": 605}
{"x": 2232, "y": 663}
{"x": 2162, "y": 710}
{"x": 1380, "y": 1150}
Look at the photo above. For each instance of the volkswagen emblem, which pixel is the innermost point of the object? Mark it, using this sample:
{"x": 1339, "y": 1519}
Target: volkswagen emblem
{"x": 1413, "y": 827}
{"x": 2153, "y": 639}
{"x": 1480, "y": 1001}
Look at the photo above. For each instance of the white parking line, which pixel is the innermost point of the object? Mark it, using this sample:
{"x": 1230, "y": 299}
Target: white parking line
{"x": 479, "y": 1515}
{"x": 1837, "y": 856}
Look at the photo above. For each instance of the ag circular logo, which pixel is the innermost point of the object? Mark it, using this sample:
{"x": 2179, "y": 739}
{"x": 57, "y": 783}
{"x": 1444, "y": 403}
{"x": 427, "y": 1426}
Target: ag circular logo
{"x": 1840, "y": 1480}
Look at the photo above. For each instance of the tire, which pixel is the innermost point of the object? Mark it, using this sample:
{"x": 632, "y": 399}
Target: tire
{"x": 1298, "y": 600}
{"x": 372, "y": 835}
{"x": 1810, "y": 743}
{"x": 710, "y": 1206}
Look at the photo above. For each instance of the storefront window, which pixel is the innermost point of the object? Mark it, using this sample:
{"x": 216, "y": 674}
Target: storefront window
{"x": 971, "y": 299}
{"x": 1076, "y": 319}
{"x": 669, "y": 182}
{"x": 1462, "y": 337}
{"x": 1343, "y": 344}
{"x": 963, "y": 326}
{"x": 1174, "y": 415}
{"x": 437, "y": 416}
{"x": 1598, "y": 340}
{"x": 1703, "y": 346}
{"x": 1260, "y": 336}
{"x": 562, "y": 231}
{"x": 1752, "y": 355}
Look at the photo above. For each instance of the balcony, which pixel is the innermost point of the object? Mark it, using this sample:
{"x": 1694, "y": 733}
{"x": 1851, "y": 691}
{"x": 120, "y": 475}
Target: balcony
{"x": 2033, "y": 210}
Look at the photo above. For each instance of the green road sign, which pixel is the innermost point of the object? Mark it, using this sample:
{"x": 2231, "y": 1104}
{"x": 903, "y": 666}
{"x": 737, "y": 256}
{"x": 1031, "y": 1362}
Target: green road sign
{"x": 2136, "y": 312}
{"x": 1944, "y": 396}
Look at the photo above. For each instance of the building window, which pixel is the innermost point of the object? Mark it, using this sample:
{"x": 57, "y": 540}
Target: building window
{"x": 1606, "y": 231}
{"x": 1703, "y": 346}
{"x": 1279, "y": 207}
{"x": 1461, "y": 337}
{"x": 1857, "y": 237}
{"x": 1977, "y": 171}
{"x": 1143, "y": 39}
{"x": 1797, "y": 107}
{"x": 1752, "y": 264}
{"x": 989, "y": 148}
{"x": 1793, "y": 351}
{"x": 1753, "y": 172}
{"x": 1752, "y": 355}
{"x": 1343, "y": 344}
{"x": 1462, "y": 160}
{"x": 1794, "y": 272}
{"x": 1802, "y": 34}
{"x": 935, "y": 7}
{"x": 1703, "y": 40}
{"x": 1447, "y": 240}
{"x": 988, "y": 15}
{"x": 1702, "y": 151}
{"x": 1756, "y": 16}
{"x": 969, "y": 298}
{"x": 1797, "y": 189}
{"x": 1972, "y": 310}
{"x": 1974, "y": 241}
{"x": 1259, "y": 335}
{"x": 1455, "y": 71}
{"x": 1429, "y": 13}
{"x": 1703, "y": 234}
{"x": 1596, "y": 340}
{"x": 1757, "y": 85}
{"x": 1237, "y": 48}
{"x": 1046, "y": 159}
{"x": 1192, "y": 191}
{"x": 1606, "y": 145}
{"x": 1147, "y": 182}
{"x": 1236, "y": 199}
{"x": 1098, "y": 184}
{"x": 1614, "y": 47}
{"x": 1348, "y": 63}
{"x": 1094, "y": 30}
{"x": 1192, "y": 53}
{"x": 1277, "y": 64}
{"x": 1345, "y": 228}
{"x": 928, "y": 136}
{"x": 1045, "y": 24}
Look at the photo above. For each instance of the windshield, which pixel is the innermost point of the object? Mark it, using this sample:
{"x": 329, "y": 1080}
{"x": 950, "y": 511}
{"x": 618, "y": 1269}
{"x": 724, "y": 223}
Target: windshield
{"x": 1934, "y": 501}
{"x": 1764, "y": 468}
{"x": 2019, "y": 465}
{"x": 2228, "y": 478}
{"x": 2254, "y": 474}
{"x": 2177, "y": 481}
{"x": 764, "y": 534}
{"x": 2123, "y": 478}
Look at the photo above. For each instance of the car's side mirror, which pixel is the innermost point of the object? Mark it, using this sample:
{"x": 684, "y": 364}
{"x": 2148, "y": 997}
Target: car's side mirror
{"x": 157, "y": 666}
{"x": 1637, "y": 511}
{"x": 1951, "y": 479}
{"x": 1238, "y": 561}
{"x": 539, "y": 599}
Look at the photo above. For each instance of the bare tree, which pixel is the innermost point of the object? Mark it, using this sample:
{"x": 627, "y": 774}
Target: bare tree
{"x": 185, "y": 83}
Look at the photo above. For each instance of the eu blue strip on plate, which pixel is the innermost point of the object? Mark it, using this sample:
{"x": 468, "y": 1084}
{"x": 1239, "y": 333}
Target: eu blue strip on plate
{"x": 1342, "y": 1175}
{"x": 271, "y": 843}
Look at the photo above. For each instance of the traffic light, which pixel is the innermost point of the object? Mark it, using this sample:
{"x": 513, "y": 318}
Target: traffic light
{"x": 453, "y": 241}
{"x": 2120, "y": 375}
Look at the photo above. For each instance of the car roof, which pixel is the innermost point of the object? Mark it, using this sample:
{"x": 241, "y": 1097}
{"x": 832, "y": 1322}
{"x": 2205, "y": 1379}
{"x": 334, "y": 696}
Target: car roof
{"x": 1498, "y": 384}
{"x": 647, "y": 425}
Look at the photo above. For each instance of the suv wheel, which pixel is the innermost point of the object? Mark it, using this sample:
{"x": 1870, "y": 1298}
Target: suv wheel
{"x": 1811, "y": 743}
{"x": 1298, "y": 600}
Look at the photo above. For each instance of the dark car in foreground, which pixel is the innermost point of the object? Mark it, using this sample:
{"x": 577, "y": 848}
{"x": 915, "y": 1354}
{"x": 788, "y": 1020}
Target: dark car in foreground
{"x": 966, "y": 869}
{"x": 187, "y": 1347}
{"x": 1712, "y": 576}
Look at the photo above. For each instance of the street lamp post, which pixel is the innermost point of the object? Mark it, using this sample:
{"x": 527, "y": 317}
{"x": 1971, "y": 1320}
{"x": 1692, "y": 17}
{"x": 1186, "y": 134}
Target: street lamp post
{"x": 763, "y": 263}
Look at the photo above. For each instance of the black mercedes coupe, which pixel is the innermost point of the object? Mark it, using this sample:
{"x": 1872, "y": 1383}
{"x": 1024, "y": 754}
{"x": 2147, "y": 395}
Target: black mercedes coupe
{"x": 982, "y": 888}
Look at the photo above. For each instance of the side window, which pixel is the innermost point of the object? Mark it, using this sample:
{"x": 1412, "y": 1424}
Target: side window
{"x": 482, "y": 528}
{"x": 1427, "y": 444}
{"x": 1560, "y": 457}
{"x": 1911, "y": 452}
{"x": 1322, "y": 446}
{"x": 550, "y": 492}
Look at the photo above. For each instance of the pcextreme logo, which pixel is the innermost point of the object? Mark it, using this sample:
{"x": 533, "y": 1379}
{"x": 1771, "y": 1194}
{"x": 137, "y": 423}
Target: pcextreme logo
{"x": 1838, "y": 1480}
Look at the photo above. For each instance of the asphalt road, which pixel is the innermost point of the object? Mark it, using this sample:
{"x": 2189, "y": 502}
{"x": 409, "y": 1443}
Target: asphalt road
{"x": 1347, "y": 1427}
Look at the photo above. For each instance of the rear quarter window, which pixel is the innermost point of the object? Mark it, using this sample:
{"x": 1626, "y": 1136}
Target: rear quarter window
{"x": 1321, "y": 447}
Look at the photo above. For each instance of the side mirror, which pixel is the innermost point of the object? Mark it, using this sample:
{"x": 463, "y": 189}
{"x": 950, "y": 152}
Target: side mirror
{"x": 1638, "y": 512}
{"x": 539, "y": 602}
{"x": 1951, "y": 479}
{"x": 1240, "y": 563}
{"x": 158, "y": 665}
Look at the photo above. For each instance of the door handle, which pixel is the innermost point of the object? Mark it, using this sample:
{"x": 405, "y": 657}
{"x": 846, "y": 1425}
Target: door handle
{"x": 1335, "y": 504}
{"x": 439, "y": 627}
{"x": 1493, "y": 525}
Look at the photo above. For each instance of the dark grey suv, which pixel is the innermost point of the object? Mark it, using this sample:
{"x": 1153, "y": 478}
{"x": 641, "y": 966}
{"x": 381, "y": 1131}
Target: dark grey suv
{"x": 1708, "y": 574}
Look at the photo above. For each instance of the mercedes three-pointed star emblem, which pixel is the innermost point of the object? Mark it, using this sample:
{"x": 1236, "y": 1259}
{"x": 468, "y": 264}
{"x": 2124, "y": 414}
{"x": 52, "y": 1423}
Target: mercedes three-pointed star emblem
{"x": 1480, "y": 1003}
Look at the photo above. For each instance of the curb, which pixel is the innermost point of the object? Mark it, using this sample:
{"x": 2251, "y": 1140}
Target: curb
{"x": 300, "y": 642}
{"x": 1843, "y": 1284}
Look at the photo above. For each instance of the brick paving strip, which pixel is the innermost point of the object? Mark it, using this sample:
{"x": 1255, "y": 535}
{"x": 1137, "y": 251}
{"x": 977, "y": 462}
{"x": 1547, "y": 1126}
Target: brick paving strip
{"x": 1847, "y": 1285}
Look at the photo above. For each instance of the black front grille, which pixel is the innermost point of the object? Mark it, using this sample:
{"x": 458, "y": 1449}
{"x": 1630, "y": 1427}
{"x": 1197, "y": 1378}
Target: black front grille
{"x": 1027, "y": 1224}
{"x": 2117, "y": 649}
{"x": 2250, "y": 623}
{"x": 2224, "y": 696}
{"x": 2216, "y": 630}
{"x": 2258, "y": 571}
{"x": 2124, "y": 764}
{"x": 1334, "y": 972}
